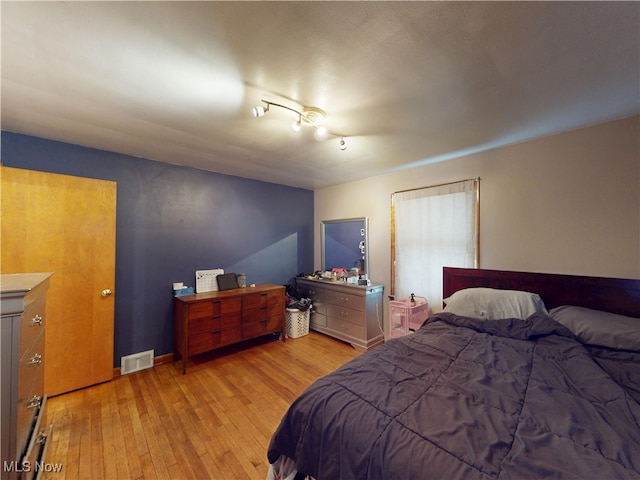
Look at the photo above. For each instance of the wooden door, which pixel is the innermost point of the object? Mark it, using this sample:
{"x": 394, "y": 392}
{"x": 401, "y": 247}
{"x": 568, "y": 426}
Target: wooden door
{"x": 65, "y": 225}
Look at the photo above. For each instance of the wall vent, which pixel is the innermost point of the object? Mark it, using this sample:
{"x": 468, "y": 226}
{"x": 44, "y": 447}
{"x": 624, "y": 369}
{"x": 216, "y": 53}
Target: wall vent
{"x": 136, "y": 362}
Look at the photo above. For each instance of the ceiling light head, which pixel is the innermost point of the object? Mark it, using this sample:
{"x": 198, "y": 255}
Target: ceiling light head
{"x": 259, "y": 111}
{"x": 343, "y": 145}
{"x": 321, "y": 132}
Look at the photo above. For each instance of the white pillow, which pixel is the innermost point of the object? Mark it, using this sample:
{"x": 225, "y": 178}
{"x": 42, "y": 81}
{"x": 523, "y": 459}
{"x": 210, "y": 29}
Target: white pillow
{"x": 600, "y": 328}
{"x": 491, "y": 304}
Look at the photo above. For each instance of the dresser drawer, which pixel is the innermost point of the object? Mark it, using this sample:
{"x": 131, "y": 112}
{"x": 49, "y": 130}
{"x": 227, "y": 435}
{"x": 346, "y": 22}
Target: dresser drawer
{"x": 30, "y": 370}
{"x": 317, "y": 319}
{"x": 37, "y": 441}
{"x": 315, "y": 294}
{"x": 254, "y": 322}
{"x": 231, "y": 329}
{"x": 253, "y": 301}
{"x": 31, "y": 325}
{"x": 275, "y": 302}
{"x": 206, "y": 324}
{"x": 204, "y": 341}
{"x": 209, "y": 308}
{"x": 200, "y": 310}
{"x": 346, "y": 299}
{"x": 275, "y": 322}
{"x": 227, "y": 305}
{"x": 255, "y": 316}
{"x": 320, "y": 307}
{"x": 346, "y": 328}
{"x": 254, "y": 329}
{"x": 346, "y": 314}
{"x": 38, "y": 452}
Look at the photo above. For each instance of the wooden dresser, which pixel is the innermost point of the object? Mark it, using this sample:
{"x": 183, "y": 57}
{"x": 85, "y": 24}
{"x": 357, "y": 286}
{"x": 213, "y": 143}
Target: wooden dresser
{"x": 349, "y": 312}
{"x": 206, "y": 321}
{"x": 25, "y": 434}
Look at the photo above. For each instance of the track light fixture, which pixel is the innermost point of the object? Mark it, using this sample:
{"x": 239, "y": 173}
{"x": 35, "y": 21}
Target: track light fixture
{"x": 312, "y": 116}
{"x": 259, "y": 111}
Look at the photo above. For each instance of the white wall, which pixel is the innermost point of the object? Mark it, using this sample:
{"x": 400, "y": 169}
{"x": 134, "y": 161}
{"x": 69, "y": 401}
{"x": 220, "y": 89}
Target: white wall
{"x": 569, "y": 203}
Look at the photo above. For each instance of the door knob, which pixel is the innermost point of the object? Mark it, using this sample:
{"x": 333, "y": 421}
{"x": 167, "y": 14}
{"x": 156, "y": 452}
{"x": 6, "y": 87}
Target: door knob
{"x": 106, "y": 292}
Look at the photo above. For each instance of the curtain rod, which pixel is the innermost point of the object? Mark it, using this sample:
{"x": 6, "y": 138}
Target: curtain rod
{"x": 438, "y": 185}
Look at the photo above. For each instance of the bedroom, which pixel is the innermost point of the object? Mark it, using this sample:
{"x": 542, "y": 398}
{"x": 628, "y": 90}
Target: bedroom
{"x": 582, "y": 183}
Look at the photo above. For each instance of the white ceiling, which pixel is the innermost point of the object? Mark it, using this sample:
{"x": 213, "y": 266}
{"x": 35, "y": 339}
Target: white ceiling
{"x": 408, "y": 83}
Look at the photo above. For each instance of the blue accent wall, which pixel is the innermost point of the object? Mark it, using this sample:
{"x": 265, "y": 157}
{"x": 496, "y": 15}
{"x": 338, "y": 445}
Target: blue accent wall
{"x": 172, "y": 221}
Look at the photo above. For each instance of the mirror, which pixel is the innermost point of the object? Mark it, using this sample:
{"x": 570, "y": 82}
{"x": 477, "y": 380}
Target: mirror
{"x": 344, "y": 244}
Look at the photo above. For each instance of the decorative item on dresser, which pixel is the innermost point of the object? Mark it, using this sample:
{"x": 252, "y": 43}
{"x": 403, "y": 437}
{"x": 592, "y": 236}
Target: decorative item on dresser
{"x": 206, "y": 321}
{"x": 25, "y": 434}
{"x": 352, "y": 313}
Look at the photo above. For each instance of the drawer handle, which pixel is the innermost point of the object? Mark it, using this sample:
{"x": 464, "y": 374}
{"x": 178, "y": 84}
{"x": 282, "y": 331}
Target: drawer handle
{"x": 215, "y": 332}
{"x": 217, "y": 316}
{"x": 35, "y": 360}
{"x": 344, "y": 314}
{"x": 35, "y": 402}
{"x": 37, "y": 320}
{"x": 344, "y": 299}
{"x": 264, "y": 320}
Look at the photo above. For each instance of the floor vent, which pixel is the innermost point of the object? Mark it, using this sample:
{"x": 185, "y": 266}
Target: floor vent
{"x": 136, "y": 362}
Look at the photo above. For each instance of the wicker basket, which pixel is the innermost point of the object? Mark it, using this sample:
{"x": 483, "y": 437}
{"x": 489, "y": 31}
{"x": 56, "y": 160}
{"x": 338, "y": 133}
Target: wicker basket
{"x": 297, "y": 322}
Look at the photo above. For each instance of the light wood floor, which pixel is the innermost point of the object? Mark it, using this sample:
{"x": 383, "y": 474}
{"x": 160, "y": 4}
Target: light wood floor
{"x": 215, "y": 422}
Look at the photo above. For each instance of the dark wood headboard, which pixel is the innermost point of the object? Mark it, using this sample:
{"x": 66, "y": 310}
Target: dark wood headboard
{"x": 616, "y": 295}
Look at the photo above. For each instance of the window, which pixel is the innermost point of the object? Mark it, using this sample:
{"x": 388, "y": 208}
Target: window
{"x": 433, "y": 227}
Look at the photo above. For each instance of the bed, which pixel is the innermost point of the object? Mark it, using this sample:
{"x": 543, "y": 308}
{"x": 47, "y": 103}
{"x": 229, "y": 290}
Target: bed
{"x": 478, "y": 391}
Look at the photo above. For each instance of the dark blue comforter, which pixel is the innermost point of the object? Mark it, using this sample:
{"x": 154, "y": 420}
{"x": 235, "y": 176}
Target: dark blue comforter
{"x": 464, "y": 399}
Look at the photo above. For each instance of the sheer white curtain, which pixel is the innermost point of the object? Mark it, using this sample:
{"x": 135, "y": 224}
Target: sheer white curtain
{"x": 433, "y": 227}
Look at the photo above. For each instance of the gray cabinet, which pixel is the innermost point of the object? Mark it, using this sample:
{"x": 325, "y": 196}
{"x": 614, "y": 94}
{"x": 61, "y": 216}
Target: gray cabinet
{"x": 348, "y": 312}
{"x": 23, "y": 404}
